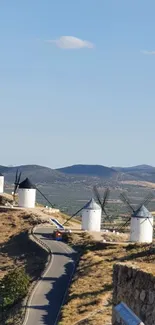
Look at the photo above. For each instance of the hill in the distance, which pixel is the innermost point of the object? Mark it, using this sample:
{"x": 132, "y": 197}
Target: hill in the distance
{"x": 89, "y": 170}
{"x": 37, "y": 174}
{"x": 140, "y": 172}
{"x": 146, "y": 168}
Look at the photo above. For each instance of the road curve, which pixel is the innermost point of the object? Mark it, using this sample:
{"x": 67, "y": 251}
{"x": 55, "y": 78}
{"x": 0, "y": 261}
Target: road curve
{"x": 48, "y": 297}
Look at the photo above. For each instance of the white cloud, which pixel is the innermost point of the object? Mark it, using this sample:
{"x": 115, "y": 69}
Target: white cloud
{"x": 148, "y": 52}
{"x": 70, "y": 42}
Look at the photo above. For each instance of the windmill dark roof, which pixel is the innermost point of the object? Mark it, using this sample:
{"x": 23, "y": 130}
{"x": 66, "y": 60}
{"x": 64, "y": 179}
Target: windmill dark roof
{"x": 1, "y": 174}
{"x": 142, "y": 213}
{"x": 26, "y": 184}
{"x": 92, "y": 205}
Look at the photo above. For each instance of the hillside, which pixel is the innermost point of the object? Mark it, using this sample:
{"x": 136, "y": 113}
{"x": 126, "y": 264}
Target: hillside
{"x": 79, "y": 174}
{"x": 37, "y": 174}
{"x": 17, "y": 250}
{"x": 146, "y": 168}
{"x": 89, "y": 170}
{"x": 141, "y": 172}
{"x": 47, "y": 176}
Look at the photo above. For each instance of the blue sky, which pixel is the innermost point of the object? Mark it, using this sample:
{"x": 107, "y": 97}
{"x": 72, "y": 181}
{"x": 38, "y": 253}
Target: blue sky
{"x": 77, "y": 82}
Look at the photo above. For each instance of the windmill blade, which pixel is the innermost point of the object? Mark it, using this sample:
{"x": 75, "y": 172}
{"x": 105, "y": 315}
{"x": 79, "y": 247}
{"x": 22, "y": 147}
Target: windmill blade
{"x": 105, "y": 212}
{"x": 17, "y": 181}
{"x": 19, "y": 177}
{"x": 52, "y": 206}
{"x": 126, "y": 201}
{"x": 105, "y": 198}
{"x": 97, "y": 195}
{"x": 145, "y": 220}
{"x": 73, "y": 215}
{"x": 147, "y": 199}
{"x": 125, "y": 224}
{"x": 150, "y": 222}
{"x": 106, "y": 215}
{"x": 16, "y": 176}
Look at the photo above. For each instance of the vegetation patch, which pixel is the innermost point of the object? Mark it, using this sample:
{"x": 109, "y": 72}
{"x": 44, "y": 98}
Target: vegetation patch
{"x": 13, "y": 287}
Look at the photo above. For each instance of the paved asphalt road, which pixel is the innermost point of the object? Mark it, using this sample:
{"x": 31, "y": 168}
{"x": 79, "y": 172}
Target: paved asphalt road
{"x": 47, "y": 299}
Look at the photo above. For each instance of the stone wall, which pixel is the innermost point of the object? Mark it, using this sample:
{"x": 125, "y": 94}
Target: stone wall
{"x": 136, "y": 288}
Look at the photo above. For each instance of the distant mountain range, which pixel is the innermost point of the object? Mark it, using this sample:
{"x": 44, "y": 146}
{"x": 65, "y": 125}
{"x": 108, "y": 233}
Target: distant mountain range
{"x": 45, "y": 175}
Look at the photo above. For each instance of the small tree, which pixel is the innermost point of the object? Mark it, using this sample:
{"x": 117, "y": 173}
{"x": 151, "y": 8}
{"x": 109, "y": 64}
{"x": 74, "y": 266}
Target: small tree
{"x": 13, "y": 287}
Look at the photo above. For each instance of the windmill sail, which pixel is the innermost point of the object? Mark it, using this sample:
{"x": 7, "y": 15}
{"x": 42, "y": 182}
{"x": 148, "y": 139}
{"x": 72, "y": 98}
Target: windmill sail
{"x": 102, "y": 202}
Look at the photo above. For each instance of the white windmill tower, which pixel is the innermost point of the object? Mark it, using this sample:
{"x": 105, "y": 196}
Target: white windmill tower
{"x": 26, "y": 194}
{"x": 1, "y": 183}
{"x": 91, "y": 216}
{"x": 141, "y": 226}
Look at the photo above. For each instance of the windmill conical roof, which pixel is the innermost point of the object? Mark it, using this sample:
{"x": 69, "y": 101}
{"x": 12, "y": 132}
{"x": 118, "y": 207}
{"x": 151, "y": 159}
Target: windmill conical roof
{"x": 1, "y": 174}
{"x": 26, "y": 184}
{"x": 143, "y": 212}
{"x": 92, "y": 205}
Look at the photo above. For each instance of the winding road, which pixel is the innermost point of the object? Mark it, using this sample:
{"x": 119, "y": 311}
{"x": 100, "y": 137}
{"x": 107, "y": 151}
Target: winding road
{"x": 49, "y": 295}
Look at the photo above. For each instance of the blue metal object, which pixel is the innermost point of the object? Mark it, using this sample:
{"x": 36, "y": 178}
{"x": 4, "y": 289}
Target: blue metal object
{"x": 56, "y": 222}
{"x": 58, "y": 239}
{"x": 125, "y": 315}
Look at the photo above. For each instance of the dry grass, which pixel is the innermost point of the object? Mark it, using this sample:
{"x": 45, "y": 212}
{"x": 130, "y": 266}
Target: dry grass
{"x": 90, "y": 295}
{"x": 139, "y": 183}
{"x": 5, "y": 197}
{"x": 12, "y": 222}
{"x": 110, "y": 236}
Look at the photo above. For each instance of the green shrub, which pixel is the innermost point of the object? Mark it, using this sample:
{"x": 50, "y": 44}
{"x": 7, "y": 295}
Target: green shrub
{"x": 13, "y": 287}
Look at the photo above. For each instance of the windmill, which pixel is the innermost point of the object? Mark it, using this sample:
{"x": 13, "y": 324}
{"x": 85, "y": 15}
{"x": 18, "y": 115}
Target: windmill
{"x": 91, "y": 211}
{"x": 141, "y": 229}
{"x": 102, "y": 201}
{"x": 16, "y": 183}
{"x": 26, "y": 195}
{"x": 91, "y": 216}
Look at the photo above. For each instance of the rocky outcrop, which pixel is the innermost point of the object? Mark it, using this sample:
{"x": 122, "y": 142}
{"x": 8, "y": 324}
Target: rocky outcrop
{"x": 136, "y": 288}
